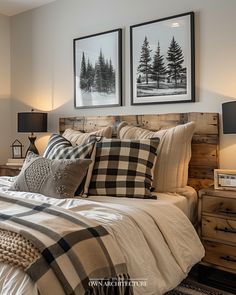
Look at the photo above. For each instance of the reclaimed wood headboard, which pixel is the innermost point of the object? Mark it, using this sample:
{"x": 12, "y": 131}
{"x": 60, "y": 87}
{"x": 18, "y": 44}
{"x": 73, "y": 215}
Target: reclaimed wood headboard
{"x": 205, "y": 141}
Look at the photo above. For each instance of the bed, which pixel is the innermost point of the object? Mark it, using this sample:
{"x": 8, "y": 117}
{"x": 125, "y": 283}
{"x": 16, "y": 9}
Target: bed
{"x": 155, "y": 237}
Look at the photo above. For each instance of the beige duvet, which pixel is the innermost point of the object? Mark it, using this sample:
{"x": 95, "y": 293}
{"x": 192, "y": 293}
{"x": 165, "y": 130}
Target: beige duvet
{"x": 158, "y": 241}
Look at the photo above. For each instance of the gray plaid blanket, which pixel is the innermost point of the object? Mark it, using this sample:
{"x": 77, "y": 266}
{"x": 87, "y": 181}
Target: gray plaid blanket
{"x": 73, "y": 249}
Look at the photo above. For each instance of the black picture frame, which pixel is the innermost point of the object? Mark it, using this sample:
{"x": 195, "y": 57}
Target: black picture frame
{"x": 167, "y": 46}
{"x": 98, "y": 70}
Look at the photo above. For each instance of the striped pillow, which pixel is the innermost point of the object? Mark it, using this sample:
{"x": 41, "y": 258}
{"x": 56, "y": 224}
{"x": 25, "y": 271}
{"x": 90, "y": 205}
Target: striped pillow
{"x": 123, "y": 168}
{"x": 60, "y": 148}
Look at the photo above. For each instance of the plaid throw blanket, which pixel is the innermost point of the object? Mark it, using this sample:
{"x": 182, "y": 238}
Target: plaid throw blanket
{"x": 74, "y": 251}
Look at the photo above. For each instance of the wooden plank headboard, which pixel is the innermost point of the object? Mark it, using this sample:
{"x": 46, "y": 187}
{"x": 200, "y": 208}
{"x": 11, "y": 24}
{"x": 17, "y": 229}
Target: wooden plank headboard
{"x": 205, "y": 141}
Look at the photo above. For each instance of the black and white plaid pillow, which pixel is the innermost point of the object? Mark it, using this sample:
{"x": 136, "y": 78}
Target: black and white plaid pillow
{"x": 123, "y": 168}
{"x": 60, "y": 148}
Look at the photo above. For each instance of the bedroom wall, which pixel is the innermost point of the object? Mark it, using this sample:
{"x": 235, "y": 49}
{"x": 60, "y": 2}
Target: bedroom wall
{"x": 5, "y": 121}
{"x": 42, "y": 61}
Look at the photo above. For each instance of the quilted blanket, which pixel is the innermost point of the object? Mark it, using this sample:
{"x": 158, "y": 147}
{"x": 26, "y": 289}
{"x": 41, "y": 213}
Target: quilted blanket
{"x": 67, "y": 249}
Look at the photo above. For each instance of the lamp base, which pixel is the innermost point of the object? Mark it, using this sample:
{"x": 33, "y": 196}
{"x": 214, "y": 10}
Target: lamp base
{"x": 32, "y": 147}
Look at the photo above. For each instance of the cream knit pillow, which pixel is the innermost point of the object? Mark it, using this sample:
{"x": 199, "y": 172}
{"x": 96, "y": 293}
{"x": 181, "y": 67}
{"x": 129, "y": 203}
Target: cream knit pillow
{"x": 173, "y": 153}
{"x": 79, "y": 137}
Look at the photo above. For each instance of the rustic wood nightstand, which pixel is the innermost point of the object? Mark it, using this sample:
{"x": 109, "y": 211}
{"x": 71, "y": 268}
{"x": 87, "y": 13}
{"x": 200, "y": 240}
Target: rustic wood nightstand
{"x": 8, "y": 170}
{"x": 217, "y": 228}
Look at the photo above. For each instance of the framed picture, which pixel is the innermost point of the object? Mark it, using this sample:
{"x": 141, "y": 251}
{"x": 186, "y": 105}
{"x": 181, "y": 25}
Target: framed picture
{"x": 97, "y": 70}
{"x": 225, "y": 179}
{"x": 162, "y": 60}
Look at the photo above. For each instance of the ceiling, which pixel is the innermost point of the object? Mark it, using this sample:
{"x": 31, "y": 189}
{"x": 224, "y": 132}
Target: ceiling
{"x": 12, "y": 7}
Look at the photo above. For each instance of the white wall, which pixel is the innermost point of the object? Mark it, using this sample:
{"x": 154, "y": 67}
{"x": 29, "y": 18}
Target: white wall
{"x": 42, "y": 60}
{"x": 5, "y": 118}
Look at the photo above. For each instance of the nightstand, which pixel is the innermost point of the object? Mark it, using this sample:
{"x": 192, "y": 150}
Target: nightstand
{"x": 217, "y": 228}
{"x": 7, "y": 170}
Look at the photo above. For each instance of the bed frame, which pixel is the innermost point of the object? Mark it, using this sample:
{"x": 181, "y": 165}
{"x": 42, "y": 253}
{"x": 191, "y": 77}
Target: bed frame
{"x": 205, "y": 141}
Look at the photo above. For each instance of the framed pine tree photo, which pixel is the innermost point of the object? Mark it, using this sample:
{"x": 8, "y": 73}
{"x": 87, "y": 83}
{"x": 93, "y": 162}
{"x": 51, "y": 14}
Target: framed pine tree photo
{"x": 163, "y": 61}
{"x": 98, "y": 70}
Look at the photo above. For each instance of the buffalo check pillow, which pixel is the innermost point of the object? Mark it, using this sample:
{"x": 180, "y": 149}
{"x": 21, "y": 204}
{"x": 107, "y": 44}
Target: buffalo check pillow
{"x": 123, "y": 168}
{"x": 59, "y": 147}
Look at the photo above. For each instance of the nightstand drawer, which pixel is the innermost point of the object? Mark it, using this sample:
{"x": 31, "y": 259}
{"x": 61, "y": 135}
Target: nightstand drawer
{"x": 220, "y": 206}
{"x": 218, "y": 228}
{"x": 6, "y": 170}
{"x": 220, "y": 254}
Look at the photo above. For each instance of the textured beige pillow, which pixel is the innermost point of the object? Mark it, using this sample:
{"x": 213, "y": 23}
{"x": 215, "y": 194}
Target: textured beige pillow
{"x": 174, "y": 153}
{"x": 52, "y": 178}
{"x": 79, "y": 137}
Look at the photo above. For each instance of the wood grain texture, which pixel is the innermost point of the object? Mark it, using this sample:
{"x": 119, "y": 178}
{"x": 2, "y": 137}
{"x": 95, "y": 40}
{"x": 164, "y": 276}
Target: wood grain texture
{"x": 205, "y": 141}
{"x": 224, "y": 207}
{"x": 220, "y": 254}
{"x": 219, "y": 228}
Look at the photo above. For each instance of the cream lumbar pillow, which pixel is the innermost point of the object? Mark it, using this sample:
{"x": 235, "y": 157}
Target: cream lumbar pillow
{"x": 79, "y": 137}
{"x": 174, "y": 153}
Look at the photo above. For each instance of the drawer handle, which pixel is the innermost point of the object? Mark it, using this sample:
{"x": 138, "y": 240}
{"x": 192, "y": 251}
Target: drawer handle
{"x": 227, "y": 211}
{"x": 226, "y": 230}
{"x": 228, "y": 258}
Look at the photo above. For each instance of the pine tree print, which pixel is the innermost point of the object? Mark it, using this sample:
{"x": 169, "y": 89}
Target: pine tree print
{"x": 100, "y": 78}
{"x": 83, "y": 73}
{"x": 158, "y": 67}
{"x": 175, "y": 58}
{"x": 145, "y": 60}
{"x": 90, "y": 76}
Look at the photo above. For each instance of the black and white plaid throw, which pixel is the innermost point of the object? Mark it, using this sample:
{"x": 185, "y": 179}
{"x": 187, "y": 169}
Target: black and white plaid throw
{"x": 73, "y": 248}
{"x": 123, "y": 168}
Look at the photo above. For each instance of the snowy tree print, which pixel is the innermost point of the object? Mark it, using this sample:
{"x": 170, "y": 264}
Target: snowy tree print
{"x": 101, "y": 77}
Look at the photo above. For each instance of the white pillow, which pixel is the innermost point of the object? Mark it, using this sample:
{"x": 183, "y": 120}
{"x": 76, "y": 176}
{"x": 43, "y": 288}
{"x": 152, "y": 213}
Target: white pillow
{"x": 79, "y": 137}
{"x": 173, "y": 153}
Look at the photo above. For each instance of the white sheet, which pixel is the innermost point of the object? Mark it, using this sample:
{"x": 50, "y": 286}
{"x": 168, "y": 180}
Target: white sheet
{"x": 164, "y": 259}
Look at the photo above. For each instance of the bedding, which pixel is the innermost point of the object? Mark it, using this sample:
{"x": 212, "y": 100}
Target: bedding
{"x": 158, "y": 242}
{"x": 174, "y": 153}
{"x": 185, "y": 199}
{"x": 53, "y": 178}
{"x": 79, "y": 137}
{"x": 123, "y": 168}
{"x": 59, "y": 148}
{"x": 71, "y": 247}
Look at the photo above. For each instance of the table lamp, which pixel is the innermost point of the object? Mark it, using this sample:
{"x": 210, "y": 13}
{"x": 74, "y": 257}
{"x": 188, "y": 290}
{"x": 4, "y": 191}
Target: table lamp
{"x": 32, "y": 122}
{"x": 229, "y": 117}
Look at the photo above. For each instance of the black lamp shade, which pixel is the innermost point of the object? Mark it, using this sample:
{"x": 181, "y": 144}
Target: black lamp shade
{"x": 229, "y": 117}
{"x": 32, "y": 122}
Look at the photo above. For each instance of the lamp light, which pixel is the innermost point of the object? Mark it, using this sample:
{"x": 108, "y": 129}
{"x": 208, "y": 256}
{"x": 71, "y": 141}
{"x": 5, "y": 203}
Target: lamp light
{"x": 32, "y": 122}
{"x": 229, "y": 117}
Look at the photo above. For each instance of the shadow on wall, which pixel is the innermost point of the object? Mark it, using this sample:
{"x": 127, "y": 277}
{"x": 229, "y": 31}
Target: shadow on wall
{"x": 5, "y": 129}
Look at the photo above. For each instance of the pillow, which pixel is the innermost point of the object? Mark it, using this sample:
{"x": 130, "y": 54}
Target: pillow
{"x": 60, "y": 148}
{"x": 174, "y": 153}
{"x": 123, "y": 168}
{"x": 52, "y": 178}
{"x": 79, "y": 137}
